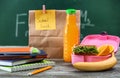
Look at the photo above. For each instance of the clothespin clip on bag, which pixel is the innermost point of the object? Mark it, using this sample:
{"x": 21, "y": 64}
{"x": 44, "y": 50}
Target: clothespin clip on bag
{"x": 43, "y": 9}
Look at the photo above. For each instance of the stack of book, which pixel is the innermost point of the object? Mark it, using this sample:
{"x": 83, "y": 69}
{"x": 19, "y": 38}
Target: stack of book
{"x": 22, "y": 58}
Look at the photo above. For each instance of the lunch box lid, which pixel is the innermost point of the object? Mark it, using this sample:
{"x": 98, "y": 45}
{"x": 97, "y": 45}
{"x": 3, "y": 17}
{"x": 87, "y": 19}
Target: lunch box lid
{"x": 101, "y": 39}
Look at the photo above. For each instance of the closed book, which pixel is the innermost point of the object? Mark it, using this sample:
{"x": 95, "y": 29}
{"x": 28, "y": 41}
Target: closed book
{"x": 11, "y": 55}
{"x": 28, "y": 66}
{"x": 21, "y": 56}
{"x": 8, "y": 49}
{"x": 34, "y": 51}
{"x": 13, "y": 62}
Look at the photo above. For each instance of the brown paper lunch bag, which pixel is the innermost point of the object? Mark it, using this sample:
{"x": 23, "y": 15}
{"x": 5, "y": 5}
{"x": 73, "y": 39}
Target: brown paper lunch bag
{"x": 51, "y": 41}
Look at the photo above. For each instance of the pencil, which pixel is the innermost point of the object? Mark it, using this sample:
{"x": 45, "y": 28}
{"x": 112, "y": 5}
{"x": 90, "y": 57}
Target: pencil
{"x": 39, "y": 70}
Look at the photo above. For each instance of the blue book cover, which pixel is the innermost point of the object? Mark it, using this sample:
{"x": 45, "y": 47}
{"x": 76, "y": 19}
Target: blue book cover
{"x": 13, "y": 62}
{"x": 11, "y": 55}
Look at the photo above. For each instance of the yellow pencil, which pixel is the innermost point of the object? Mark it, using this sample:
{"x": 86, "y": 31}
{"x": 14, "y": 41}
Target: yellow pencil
{"x": 39, "y": 70}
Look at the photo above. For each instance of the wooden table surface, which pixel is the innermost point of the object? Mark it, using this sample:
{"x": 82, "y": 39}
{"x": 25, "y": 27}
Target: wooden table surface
{"x": 66, "y": 70}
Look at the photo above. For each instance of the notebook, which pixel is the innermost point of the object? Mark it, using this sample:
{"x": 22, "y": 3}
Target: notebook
{"x": 34, "y": 51}
{"x": 13, "y": 62}
{"x": 23, "y": 55}
{"x": 28, "y": 66}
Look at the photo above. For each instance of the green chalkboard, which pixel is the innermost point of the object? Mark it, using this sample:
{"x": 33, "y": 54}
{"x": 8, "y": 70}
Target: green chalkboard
{"x": 96, "y": 16}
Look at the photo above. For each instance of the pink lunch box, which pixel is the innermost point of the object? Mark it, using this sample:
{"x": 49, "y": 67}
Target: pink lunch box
{"x": 98, "y": 40}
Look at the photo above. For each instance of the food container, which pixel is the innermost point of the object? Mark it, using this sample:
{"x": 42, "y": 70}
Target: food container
{"x": 97, "y": 40}
{"x": 77, "y": 58}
